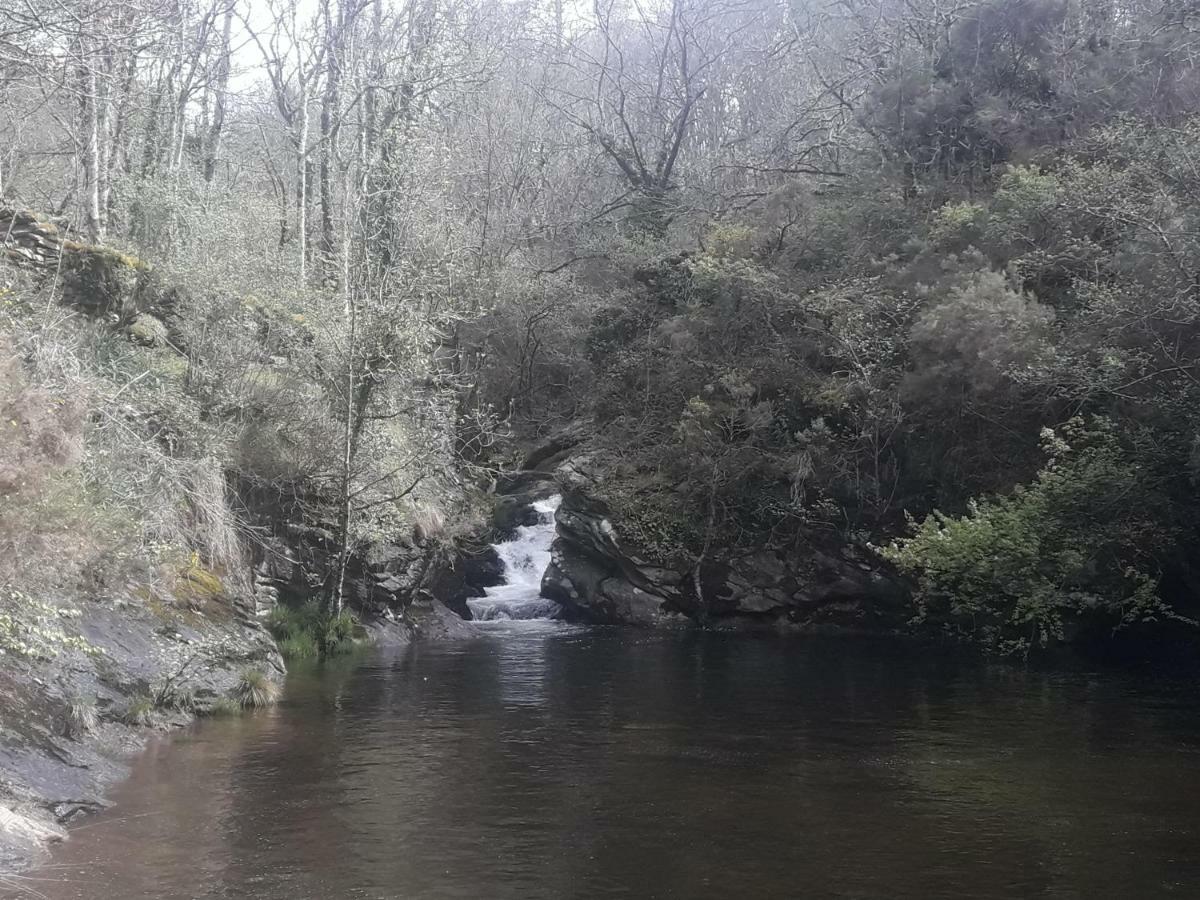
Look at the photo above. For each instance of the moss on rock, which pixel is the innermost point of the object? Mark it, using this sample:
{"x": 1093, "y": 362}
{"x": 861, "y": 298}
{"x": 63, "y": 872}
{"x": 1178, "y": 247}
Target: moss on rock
{"x": 197, "y": 586}
{"x": 147, "y": 331}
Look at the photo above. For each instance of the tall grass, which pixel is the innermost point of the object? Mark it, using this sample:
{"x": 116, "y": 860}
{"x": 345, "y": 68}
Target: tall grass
{"x": 82, "y": 717}
{"x": 306, "y": 631}
{"x": 254, "y": 689}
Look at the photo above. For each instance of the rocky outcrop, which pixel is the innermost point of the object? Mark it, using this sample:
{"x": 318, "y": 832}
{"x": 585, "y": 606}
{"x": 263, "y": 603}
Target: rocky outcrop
{"x": 382, "y": 579}
{"x": 30, "y": 239}
{"x": 425, "y": 618}
{"x": 99, "y": 282}
{"x": 132, "y": 664}
{"x": 596, "y": 577}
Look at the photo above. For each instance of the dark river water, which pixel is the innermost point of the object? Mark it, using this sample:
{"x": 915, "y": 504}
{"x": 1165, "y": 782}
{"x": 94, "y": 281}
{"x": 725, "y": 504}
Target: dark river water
{"x": 548, "y": 762}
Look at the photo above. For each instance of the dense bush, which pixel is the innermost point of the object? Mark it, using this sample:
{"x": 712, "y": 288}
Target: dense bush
{"x": 1075, "y": 548}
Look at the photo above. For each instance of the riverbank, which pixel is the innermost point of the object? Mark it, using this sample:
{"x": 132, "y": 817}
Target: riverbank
{"x": 161, "y": 491}
{"x": 89, "y": 683}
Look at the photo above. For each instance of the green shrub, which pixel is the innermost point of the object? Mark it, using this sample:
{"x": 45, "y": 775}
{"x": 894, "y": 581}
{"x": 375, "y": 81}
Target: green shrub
{"x": 292, "y": 621}
{"x": 254, "y": 689}
{"x": 299, "y": 646}
{"x": 337, "y": 634}
{"x": 1024, "y": 571}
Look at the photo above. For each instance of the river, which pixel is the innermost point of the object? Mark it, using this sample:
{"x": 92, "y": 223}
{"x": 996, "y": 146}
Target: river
{"x": 542, "y": 760}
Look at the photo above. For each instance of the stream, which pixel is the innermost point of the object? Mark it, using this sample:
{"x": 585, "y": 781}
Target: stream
{"x": 546, "y": 760}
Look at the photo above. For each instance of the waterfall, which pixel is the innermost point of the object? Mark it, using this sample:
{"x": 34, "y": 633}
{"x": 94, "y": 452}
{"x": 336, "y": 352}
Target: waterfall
{"x": 525, "y": 560}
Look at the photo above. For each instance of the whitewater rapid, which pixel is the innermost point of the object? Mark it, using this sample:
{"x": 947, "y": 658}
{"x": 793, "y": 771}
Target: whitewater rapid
{"x": 525, "y": 559}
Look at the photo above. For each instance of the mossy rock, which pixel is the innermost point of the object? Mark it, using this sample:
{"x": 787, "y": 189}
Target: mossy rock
{"x": 101, "y": 281}
{"x": 106, "y": 257}
{"x": 196, "y": 586}
{"x": 147, "y": 331}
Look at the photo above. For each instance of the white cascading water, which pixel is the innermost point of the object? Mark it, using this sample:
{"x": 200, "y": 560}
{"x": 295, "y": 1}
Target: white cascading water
{"x": 525, "y": 560}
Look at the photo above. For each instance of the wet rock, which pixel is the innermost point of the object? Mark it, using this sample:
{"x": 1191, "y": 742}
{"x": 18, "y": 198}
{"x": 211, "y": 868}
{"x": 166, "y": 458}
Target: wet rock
{"x": 509, "y": 513}
{"x": 425, "y": 619}
{"x": 482, "y": 568}
{"x": 528, "y": 482}
{"x": 546, "y": 456}
{"x": 592, "y": 577}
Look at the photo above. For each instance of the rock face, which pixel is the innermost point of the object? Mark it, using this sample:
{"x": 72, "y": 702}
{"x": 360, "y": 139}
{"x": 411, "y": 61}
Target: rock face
{"x": 30, "y": 239}
{"x": 596, "y": 578}
{"x": 382, "y": 580}
{"x": 99, "y": 281}
{"x": 179, "y": 659}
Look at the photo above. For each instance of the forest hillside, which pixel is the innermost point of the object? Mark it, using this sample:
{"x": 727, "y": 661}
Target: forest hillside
{"x": 909, "y": 287}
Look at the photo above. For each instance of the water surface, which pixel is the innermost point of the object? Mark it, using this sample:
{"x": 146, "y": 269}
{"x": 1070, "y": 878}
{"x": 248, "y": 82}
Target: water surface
{"x": 541, "y": 761}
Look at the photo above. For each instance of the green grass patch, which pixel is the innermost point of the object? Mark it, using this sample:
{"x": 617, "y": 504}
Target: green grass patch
{"x": 299, "y": 646}
{"x": 306, "y": 631}
{"x": 224, "y": 707}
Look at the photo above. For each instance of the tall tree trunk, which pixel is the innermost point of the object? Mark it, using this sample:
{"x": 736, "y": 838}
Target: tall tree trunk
{"x": 302, "y": 185}
{"x": 90, "y": 128}
{"x": 104, "y": 132}
{"x": 220, "y": 98}
{"x": 150, "y": 136}
{"x": 336, "y": 602}
{"x": 330, "y": 102}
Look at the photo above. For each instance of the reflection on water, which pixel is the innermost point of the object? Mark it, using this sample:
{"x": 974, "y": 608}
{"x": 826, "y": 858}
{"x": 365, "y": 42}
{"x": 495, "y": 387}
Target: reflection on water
{"x": 550, "y": 762}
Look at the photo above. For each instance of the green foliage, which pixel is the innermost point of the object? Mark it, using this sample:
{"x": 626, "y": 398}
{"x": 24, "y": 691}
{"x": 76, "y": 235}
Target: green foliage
{"x": 957, "y": 226}
{"x": 982, "y": 337}
{"x": 842, "y": 359}
{"x": 289, "y": 622}
{"x": 298, "y": 646}
{"x": 308, "y": 631}
{"x": 335, "y": 634}
{"x": 1022, "y": 572}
